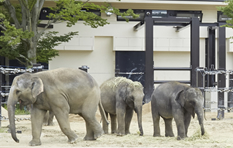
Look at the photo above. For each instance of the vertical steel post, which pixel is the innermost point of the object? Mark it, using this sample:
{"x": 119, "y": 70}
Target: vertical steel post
{"x": 230, "y": 94}
{"x": 1, "y": 81}
{"x": 149, "y": 71}
{"x": 0, "y": 98}
{"x": 221, "y": 66}
{"x": 211, "y": 56}
{"x": 194, "y": 53}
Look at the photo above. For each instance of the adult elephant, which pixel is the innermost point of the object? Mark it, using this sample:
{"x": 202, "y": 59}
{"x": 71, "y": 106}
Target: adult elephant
{"x": 61, "y": 91}
{"x": 179, "y": 101}
{"x": 120, "y": 97}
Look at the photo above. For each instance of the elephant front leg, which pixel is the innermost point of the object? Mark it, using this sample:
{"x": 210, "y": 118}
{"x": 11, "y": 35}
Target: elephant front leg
{"x": 179, "y": 119}
{"x": 121, "y": 122}
{"x": 187, "y": 119}
{"x": 128, "y": 118}
{"x": 37, "y": 117}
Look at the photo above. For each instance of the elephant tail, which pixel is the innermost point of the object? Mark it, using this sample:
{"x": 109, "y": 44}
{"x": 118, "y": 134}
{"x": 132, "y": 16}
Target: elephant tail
{"x": 102, "y": 112}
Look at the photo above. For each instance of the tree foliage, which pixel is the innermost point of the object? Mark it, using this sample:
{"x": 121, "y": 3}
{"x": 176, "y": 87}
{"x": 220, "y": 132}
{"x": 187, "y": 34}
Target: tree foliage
{"x": 22, "y": 40}
{"x": 228, "y": 10}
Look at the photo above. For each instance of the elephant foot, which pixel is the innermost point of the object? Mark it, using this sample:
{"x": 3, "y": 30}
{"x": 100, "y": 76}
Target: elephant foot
{"x": 98, "y": 134}
{"x": 34, "y": 142}
{"x": 51, "y": 124}
{"x": 89, "y": 138}
{"x": 120, "y": 134}
{"x": 169, "y": 135}
{"x": 179, "y": 138}
{"x": 105, "y": 131}
{"x": 127, "y": 132}
{"x": 93, "y": 137}
{"x": 156, "y": 135}
{"x": 73, "y": 140}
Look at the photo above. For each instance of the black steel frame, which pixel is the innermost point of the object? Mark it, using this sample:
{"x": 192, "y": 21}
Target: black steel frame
{"x": 222, "y": 66}
{"x": 194, "y": 56}
{"x": 195, "y": 78}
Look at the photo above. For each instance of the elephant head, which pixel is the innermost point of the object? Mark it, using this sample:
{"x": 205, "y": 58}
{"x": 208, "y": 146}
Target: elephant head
{"x": 24, "y": 89}
{"x": 191, "y": 99}
{"x": 134, "y": 100}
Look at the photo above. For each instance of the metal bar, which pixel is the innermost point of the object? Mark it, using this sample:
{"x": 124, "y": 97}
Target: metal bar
{"x": 2, "y": 62}
{"x": 221, "y": 65}
{"x": 173, "y": 68}
{"x": 164, "y": 81}
{"x": 43, "y": 25}
{"x": 230, "y": 94}
{"x": 138, "y": 26}
{"x": 194, "y": 54}
{"x": 211, "y": 55}
{"x": 149, "y": 73}
{"x": 209, "y": 24}
{"x": 172, "y": 19}
{"x": 171, "y": 24}
{"x": 180, "y": 28}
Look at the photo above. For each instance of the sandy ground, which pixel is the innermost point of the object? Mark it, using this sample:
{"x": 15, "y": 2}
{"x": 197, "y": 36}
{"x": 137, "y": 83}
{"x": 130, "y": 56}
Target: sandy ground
{"x": 219, "y": 133}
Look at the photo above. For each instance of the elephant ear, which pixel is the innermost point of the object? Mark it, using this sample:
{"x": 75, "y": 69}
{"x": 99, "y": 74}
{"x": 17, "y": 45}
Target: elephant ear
{"x": 37, "y": 86}
{"x": 180, "y": 98}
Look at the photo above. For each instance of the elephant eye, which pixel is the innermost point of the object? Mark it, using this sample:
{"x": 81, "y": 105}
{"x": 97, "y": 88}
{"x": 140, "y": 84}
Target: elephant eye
{"x": 17, "y": 92}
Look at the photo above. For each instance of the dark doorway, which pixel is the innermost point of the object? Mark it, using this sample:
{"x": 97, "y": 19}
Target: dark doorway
{"x": 131, "y": 64}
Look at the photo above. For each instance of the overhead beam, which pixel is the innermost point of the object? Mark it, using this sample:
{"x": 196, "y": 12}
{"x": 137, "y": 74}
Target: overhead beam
{"x": 138, "y": 26}
{"x": 180, "y": 28}
{"x": 172, "y": 20}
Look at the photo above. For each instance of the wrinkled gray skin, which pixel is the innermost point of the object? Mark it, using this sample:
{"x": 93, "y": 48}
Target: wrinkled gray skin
{"x": 120, "y": 104}
{"x": 179, "y": 101}
{"x": 48, "y": 119}
{"x": 61, "y": 91}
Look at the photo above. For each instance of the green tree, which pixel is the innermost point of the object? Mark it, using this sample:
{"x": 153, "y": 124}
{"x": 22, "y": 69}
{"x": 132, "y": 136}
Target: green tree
{"x": 21, "y": 38}
{"x": 228, "y": 10}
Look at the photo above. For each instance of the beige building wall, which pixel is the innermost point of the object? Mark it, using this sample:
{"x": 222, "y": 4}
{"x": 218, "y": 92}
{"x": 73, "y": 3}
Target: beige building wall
{"x": 96, "y": 47}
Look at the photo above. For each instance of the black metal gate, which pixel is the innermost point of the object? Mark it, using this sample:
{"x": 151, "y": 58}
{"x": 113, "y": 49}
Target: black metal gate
{"x": 130, "y": 64}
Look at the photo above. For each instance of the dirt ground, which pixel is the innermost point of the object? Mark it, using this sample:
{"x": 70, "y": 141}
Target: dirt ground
{"x": 219, "y": 133}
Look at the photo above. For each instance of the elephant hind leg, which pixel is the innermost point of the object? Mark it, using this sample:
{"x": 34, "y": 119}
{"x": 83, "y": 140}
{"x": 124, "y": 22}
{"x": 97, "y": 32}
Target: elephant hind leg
{"x": 113, "y": 123}
{"x": 62, "y": 118}
{"x": 105, "y": 125}
{"x": 168, "y": 127}
{"x": 93, "y": 127}
{"x": 156, "y": 118}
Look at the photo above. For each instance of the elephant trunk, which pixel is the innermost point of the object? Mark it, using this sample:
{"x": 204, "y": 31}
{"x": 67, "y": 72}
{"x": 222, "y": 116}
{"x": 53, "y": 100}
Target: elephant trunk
{"x": 11, "y": 102}
{"x": 200, "y": 116}
{"x": 11, "y": 115}
{"x": 138, "y": 110}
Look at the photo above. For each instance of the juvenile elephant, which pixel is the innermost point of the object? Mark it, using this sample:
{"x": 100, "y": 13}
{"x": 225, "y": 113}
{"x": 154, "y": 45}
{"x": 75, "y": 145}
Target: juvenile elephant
{"x": 179, "y": 101}
{"x": 61, "y": 91}
{"x": 120, "y": 97}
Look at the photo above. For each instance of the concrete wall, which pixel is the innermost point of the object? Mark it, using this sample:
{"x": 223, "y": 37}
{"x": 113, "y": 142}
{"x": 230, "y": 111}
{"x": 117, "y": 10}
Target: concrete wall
{"x": 96, "y": 47}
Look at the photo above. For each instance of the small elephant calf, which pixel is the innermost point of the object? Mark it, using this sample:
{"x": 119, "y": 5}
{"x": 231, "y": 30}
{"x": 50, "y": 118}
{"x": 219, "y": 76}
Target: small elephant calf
{"x": 179, "y": 101}
{"x": 120, "y": 96}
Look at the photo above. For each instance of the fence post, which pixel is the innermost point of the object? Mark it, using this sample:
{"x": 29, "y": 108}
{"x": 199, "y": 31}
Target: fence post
{"x": 84, "y": 68}
{"x": 37, "y": 67}
{"x": 0, "y": 99}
